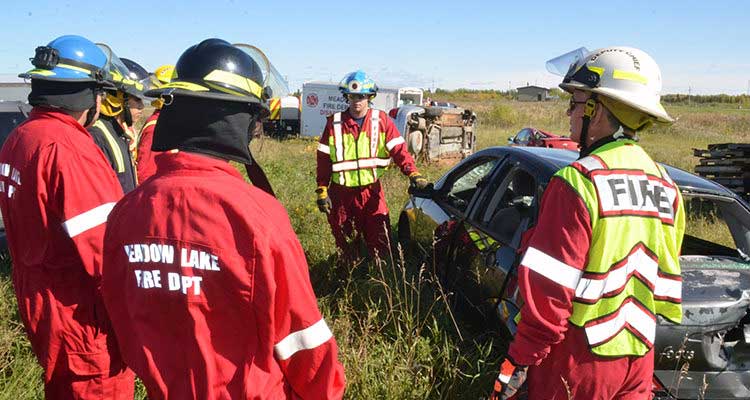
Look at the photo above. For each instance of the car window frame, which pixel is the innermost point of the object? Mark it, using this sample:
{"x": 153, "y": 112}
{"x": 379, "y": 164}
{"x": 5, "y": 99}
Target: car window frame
{"x": 461, "y": 170}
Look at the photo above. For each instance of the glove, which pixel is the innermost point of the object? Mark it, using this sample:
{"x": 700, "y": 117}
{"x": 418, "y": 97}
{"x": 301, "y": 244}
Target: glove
{"x": 417, "y": 181}
{"x": 509, "y": 380}
{"x": 324, "y": 202}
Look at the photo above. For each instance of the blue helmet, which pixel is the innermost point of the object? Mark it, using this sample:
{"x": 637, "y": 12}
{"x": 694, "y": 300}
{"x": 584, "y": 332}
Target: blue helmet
{"x": 358, "y": 82}
{"x": 69, "y": 58}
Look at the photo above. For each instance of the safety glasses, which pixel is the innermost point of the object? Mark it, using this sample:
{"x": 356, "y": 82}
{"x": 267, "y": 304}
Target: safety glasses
{"x": 357, "y": 97}
{"x": 572, "y": 104}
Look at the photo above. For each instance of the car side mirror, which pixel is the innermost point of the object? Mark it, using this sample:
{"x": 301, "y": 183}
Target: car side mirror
{"x": 511, "y": 140}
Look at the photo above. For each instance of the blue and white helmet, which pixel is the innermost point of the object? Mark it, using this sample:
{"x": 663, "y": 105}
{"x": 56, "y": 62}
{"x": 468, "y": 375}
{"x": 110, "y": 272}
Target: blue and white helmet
{"x": 358, "y": 82}
{"x": 69, "y": 58}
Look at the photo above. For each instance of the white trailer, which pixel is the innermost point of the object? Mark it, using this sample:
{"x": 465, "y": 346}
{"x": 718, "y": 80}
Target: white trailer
{"x": 321, "y": 99}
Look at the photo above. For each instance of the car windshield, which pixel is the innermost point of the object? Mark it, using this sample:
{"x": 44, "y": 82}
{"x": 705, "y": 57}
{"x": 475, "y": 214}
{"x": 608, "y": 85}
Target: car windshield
{"x": 716, "y": 225}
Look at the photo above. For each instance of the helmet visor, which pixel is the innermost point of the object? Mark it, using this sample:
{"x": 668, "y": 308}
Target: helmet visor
{"x": 121, "y": 77}
{"x": 562, "y": 64}
{"x": 274, "y": 84}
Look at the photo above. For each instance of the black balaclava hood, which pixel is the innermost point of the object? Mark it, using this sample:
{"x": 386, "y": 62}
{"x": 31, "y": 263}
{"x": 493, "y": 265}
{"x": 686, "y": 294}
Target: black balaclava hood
{"x": 72, "y": 96}
{"x": 209, "y": 126}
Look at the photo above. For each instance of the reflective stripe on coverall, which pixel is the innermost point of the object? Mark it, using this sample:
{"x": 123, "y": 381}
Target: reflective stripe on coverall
{"x": 209, "y": 290}
{"x": 114, "y": 143}
{"x": 594, "y": 236}
{"x": 350, "y": 160}
{"x": 56, "y": 189}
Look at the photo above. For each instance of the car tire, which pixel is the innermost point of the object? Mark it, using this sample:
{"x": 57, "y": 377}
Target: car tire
{"x": 416, "y": 143}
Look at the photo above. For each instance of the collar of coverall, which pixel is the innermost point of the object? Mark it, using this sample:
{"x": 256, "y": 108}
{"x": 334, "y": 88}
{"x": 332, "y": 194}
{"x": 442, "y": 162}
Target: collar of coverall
{"x": 49, "y": 112}
{"x": 183, "y": 162}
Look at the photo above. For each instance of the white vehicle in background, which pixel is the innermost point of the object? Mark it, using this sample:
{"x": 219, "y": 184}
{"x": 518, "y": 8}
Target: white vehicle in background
{"x": 321, "y": 99}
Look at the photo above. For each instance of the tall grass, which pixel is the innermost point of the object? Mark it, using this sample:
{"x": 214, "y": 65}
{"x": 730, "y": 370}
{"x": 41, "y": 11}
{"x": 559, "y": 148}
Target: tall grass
{"x": 397, "y": 337}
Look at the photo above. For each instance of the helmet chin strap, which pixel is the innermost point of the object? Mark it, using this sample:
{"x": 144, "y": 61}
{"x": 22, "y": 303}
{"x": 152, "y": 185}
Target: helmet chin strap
{"x": 588, "y": 113}
{"x": 127, "y": 116}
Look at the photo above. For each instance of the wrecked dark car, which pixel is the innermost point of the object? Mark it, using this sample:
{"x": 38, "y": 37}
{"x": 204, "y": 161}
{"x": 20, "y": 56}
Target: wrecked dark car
{"x": 469, "y": 228}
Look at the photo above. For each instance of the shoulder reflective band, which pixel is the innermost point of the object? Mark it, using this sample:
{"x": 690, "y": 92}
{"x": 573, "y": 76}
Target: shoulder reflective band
{"x": 112, "y": 142}
{"x": 394, "y": 142}
{"x": 87, "y": 220}
{"x": 324, "y": 148}
{"x": 306, "y": 339}
{"x": 551, "y": 268}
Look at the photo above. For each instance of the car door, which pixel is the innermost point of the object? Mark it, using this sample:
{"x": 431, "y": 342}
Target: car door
{"x": 485, "y": 250}
{"x": 456, "y": 195}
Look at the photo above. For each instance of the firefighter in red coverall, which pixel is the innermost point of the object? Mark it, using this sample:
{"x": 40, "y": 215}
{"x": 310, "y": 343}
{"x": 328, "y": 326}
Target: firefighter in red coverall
{"x": 205, "y": 280}
{"x": 354, "y": 150}
{"x": 56, "y": 189}
{"x": 602, "y": 262}
{"x": 146, "y": 166}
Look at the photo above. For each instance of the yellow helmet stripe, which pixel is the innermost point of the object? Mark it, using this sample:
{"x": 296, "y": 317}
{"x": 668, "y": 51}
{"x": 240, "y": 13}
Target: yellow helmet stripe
{"x": 226, "y": 90}
{"x": 74, "y": 68}
{"x": 630, "y": 76}
{"x": 235, "y": 80}
{"x": 44, "y": 72}
{"x": 598, "y": 70}
{"x": 193, "y": 87}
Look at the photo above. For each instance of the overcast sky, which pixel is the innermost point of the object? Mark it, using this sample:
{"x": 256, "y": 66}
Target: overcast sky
{"x": 702, "y": 47}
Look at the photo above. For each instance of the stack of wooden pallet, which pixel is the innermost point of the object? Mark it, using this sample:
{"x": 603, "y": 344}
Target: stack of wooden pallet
{"x": 727, "y": 164}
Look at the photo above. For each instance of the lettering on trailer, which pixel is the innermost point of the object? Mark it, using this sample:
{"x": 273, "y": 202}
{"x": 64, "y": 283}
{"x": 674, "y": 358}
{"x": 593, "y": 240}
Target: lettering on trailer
{"x": 624, "y": 192}
{"x": 160, "y": 253}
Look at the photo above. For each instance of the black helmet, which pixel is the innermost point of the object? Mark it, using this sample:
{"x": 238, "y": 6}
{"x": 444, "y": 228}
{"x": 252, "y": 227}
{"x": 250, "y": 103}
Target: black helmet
{"x": 135, "y": 71}
{"x": 216, "y": 69}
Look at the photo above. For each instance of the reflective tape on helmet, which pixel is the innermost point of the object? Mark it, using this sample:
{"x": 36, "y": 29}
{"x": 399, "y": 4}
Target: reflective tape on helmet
{"x": 394, "y": 142}
{"x": 630, "y": 76}
{"x": 237, "y": 81}
{"x": 631, "y": 316}
{"x": 87, "y": 220}
{"x": 74, "y": 68}
{"x": 551, "y": 268}
{"x": 193, "y": 87}
{"x": 305, "y": 339}
{"x": 43, "y": 72}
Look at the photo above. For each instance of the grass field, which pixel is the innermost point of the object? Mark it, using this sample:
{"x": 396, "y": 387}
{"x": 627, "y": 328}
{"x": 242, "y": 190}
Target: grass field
{"x": 397, "y": 338}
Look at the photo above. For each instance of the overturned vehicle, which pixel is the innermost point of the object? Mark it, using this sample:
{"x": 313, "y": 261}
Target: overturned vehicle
{"x": 470, "y": 225}
{"x": 434, "y": 133}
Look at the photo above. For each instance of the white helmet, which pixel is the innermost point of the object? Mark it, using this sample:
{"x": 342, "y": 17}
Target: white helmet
{"x": 624, "y": 74}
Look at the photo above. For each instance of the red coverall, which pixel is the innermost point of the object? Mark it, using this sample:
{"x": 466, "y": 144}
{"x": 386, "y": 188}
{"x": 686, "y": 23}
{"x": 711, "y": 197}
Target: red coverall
{"x": 361, "y": 209}
{"x": 56, "y": 189}
{"x": 145, "y": 165}
{"x": 552, "y": 347}
{"x": 209, "y": 292}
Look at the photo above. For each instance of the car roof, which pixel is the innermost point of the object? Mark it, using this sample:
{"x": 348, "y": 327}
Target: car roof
{"x": 551, "y": 160}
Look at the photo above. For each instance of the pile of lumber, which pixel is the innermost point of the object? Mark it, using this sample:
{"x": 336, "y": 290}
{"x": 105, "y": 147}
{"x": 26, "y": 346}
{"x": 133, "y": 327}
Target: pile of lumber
{"x": 727, "y": 164}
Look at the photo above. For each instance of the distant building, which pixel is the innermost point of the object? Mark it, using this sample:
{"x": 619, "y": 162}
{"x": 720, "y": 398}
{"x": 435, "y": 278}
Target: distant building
{"x": 533, "y": 93}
